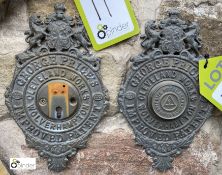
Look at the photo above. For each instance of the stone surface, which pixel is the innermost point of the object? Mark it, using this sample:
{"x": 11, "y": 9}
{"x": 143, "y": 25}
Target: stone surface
{"x": 44, "y": 7}
{"x": 111, "y": 149}
{"x": 113, "y": 153}
{"x": 12, "y": 42}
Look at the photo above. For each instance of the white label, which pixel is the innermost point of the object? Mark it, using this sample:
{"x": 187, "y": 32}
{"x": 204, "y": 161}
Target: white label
{"x": 217, "y": 94}
{"x": 23, "y": 163}
{"x": 108, "y": 19}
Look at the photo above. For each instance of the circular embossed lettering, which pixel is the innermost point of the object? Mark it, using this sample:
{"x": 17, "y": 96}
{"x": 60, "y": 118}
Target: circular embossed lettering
{"x": 161, "y": 99}
{"x": 59, "y": 98}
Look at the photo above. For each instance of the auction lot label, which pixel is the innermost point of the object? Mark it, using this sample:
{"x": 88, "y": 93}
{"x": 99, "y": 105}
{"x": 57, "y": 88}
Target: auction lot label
{"x": 107, "y": 21}
{"x": 210, "y": 76}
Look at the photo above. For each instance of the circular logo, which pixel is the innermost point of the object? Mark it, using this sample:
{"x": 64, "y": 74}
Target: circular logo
{"x": 13, "y": 164}
{"x": 169, "y": 99}
{"x": 101, "y": 34}
{"x": 102, "y": 31}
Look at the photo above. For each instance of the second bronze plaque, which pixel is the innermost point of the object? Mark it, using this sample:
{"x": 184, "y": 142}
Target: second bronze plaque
{"x": 160, "y": 94}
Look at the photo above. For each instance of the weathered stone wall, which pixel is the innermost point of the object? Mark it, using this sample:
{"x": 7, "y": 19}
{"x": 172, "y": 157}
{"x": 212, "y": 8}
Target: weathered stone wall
{"x": 111, "y": 149}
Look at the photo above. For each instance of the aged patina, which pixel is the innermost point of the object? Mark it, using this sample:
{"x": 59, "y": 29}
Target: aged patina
{"x": 160, "y": 94}
{"x": 56, "y": 95}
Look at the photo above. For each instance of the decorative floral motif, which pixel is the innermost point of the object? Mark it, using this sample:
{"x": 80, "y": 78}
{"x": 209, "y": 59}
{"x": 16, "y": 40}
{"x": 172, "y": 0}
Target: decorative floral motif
{"x": 58, "y": 154}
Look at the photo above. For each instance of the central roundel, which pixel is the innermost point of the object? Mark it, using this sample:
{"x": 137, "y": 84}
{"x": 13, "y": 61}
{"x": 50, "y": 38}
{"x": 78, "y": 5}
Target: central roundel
{"x": 168, "y": 99}
{"x": 58, "y": 99}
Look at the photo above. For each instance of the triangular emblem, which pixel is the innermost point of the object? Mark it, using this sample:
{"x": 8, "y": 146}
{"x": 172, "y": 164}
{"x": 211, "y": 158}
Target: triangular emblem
{"x": 169, "y": 103}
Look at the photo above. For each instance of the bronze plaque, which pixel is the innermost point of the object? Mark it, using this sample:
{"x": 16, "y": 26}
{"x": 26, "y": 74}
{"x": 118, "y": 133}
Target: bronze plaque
{"x": 56, "y": 95}
{"x": 160, "y": 94}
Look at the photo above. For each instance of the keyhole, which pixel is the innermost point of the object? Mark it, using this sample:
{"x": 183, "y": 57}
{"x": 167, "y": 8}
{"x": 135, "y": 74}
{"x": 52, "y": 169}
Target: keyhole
{"x": 58, "y": 112}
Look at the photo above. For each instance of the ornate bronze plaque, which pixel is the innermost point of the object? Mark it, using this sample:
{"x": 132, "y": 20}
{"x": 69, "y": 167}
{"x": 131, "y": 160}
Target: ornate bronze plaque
{"x": 160, "y": 94}
{"x": 56, "y": 95}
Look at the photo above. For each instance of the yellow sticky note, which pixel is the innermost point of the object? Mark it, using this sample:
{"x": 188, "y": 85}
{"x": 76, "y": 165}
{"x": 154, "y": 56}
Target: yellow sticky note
{"x": 210, "y": 78}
